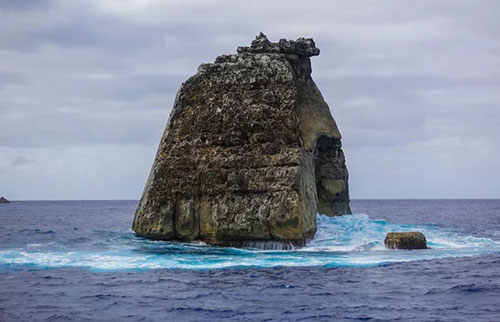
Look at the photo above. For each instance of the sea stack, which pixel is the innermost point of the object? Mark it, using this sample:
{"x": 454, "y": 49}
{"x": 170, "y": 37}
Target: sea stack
{"x": 249, "y": 155}
{"x": 3, "y": 200}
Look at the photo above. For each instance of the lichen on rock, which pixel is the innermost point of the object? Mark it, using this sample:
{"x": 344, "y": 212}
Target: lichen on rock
{"x": 250, "y": 153}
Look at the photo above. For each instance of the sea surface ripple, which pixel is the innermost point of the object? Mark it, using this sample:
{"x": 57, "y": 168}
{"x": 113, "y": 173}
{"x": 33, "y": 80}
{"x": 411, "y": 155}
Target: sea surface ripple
{"x": 79, "y": 260}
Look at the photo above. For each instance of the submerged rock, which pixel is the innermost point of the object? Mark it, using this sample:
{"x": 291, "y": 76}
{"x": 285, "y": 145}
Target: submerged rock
{"x": 250, "y": 153}
{"x": 405, "y": 240}
{"x": 3, "y": 200}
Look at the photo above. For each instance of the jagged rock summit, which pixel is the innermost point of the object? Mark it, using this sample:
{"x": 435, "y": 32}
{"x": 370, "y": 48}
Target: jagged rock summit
{"x": 250, "y": 153}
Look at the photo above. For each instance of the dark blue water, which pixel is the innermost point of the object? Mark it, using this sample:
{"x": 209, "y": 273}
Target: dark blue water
{"x": 79, "y": 261}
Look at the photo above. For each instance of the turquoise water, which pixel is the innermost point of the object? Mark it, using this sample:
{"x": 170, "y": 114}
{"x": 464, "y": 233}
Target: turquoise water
{"x": 79, "y": 261}
{"x": 348, "y": 241}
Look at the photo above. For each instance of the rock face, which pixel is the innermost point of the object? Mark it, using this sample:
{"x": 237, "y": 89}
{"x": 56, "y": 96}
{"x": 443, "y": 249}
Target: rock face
{"x": 250, "y": 153}
{"x": 405, "y": 240}
{"x": 3, "y": 200}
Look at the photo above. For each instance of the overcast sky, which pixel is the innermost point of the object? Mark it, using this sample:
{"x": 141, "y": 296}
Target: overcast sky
{"x": 86, "y": 88}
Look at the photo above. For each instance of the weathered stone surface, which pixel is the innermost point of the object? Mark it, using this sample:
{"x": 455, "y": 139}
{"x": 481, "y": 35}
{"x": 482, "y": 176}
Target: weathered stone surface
{"x": 250, "y": 153}
{"x": 3, "y": 200}
{"x": 405, "y": 240}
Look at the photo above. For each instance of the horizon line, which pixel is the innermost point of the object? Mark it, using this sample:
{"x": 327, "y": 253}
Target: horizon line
{"x": 353, "y": 199}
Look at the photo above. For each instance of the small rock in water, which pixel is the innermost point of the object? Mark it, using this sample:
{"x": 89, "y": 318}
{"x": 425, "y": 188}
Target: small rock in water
{"x": 3, "y": 200}
{"x": 405, "y": 240}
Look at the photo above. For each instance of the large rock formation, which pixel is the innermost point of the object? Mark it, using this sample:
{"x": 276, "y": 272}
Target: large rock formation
{"x": 3, "y": 200}
{"x": 250, "y": 153}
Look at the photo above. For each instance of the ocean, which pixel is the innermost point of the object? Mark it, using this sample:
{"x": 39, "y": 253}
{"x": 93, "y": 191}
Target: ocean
{"x": 80, "y": 261}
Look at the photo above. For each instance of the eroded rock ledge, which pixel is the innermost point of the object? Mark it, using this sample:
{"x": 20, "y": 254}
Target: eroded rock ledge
{"x": 250, "y": 153}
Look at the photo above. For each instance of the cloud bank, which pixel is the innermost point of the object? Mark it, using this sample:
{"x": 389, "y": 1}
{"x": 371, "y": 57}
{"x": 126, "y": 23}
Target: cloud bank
{"x": 86, "y": 88}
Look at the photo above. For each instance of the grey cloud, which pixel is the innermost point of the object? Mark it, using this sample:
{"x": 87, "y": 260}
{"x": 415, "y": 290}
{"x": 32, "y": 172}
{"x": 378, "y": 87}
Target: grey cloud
{"x": 25, "y": 4}
{"x": 10, "y": 78}
{"x": 59, "y": 128}
{"x": 80, "y": 26}
{"x": 22, "y": 160}
{"x": 128, "y": 88}
{"x": 413, "y": 85}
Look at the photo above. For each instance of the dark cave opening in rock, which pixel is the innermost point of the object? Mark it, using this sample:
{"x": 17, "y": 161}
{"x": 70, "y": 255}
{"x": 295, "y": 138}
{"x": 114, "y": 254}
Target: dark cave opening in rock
{"x": 331, "y": 177}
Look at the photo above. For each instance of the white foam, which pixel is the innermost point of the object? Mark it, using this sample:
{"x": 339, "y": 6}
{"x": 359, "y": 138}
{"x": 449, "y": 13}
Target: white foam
{"x": 341, "y": 241}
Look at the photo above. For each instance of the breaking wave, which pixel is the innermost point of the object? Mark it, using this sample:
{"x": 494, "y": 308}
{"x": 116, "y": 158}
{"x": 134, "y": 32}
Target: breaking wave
{"x": 348, "y": 241}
